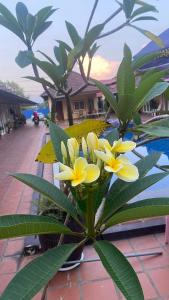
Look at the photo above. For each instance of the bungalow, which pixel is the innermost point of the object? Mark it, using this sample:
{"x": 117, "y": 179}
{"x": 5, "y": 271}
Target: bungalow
{"x": 87, "y": 102}
{"x": 10, "y": 108}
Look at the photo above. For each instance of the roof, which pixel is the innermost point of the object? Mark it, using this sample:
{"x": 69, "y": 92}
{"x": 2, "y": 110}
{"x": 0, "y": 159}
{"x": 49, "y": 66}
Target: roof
{"x": 75, "y": 81}
{"x": 162, "y": 61}
{"x": 7, "y": 97}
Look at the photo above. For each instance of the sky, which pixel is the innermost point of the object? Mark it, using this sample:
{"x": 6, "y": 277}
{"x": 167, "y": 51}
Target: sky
{"x": 109, "y": 55}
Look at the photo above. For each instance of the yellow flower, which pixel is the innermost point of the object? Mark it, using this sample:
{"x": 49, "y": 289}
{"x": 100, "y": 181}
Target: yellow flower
{"x": 92, "y": 141}
{"x": 103, "y": 143}
{"x": 121, "y": 166}
{"x": 63, "y": 151}
{"x": 93, "y": 144}
{"x": 82, "y": 172}
{"x": 122, "y": 147}
{"x": 84, "y": 147}
{"x": 73, "y": 148}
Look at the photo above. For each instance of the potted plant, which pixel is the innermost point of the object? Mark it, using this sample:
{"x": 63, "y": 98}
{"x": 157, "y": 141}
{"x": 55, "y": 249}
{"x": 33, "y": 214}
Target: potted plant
{"x": 87, "y": 173}
{"x": 47, "y": 241}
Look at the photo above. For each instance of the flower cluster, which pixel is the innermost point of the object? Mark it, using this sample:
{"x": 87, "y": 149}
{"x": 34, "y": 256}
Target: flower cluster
{"x": 97, "y": 157}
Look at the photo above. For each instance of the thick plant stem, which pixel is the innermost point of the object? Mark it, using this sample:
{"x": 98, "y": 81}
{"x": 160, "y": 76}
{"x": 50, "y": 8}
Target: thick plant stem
{"x": 90, "y": 216}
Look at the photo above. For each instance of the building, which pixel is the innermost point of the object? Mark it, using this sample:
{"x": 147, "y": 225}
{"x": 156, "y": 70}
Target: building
{"x": 160, "y": 62}
{"x": 10, "y": 109}
{"x": 87, "y": 102}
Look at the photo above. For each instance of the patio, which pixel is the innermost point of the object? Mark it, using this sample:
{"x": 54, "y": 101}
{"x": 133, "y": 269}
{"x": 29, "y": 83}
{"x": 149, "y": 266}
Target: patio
{"x": 90, "y": 280}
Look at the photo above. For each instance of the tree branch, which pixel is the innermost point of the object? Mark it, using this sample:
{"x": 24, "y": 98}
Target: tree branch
{"x": 91, "y": 16}
{"x": 114, "y": 30}
{"x": 112, "y": 16}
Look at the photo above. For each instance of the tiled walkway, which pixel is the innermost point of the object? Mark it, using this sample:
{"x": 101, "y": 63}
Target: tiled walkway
{"x": 17, "y": 154}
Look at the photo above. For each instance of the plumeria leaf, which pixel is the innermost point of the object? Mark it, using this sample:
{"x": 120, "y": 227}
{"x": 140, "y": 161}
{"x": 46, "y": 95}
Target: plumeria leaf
{"x": 22, "y": 225}
{"x": 120, "y": 270}
{"x": 48, "y": 190}
{"x": 36, "y": 274}
{"x": 115, "y": 201}
{"x": 147, "y": 208}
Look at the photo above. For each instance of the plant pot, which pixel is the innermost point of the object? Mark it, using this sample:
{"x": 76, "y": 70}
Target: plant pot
{"x": 48, "y": 241}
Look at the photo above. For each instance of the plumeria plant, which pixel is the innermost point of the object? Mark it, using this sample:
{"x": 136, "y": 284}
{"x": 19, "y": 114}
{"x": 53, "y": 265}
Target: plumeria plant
{"x": 87, "y": 169}
{"x": 96, "y": 172}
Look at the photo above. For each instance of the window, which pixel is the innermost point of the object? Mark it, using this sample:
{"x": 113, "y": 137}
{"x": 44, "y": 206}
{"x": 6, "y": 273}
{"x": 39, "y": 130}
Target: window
{"x": 78, "y": 105}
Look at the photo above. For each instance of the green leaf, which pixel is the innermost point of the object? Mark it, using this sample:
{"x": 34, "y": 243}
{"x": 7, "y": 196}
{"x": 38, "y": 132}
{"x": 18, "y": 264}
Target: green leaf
{"x": 61, "y": 56}
{"x": 49, "y": 190}
{"x": 21, "y": 13}
{"x": 92, "y": 36}
{"x": 41, "y": 80}
{"x": 40, "y": 29}
{"x": 159, "y": 131}
{"x": 128, "y": 6}
{"x": 150, "y": 35}
{"x": 23, "y": 59}
{"x": 112, "y": 136}
{"x": 144, "y": 9}
{"x": 147, "y": 208}
{"x": 114, "y": 201}
{"x": 10, "y": 22}
{"x": 22, "y": 225}
{"x": 144, "y": 165}
{"x": 73, "y": 33}
{"x": 146, "y": 84}
{"x": 120, "y": 270}
{"x": 36, "y": 274}
{"x": 50, "y": 69}
{"x": 145, "y": 18}
{"x": 57, "y": 136}
{"x": 75, "y": 53}
{"x": 127, "y": 53}
{"x": 125, "y": 87}
{"x": 41, "y": 16}
{"x": 44, "y": 13}
{"x": 93, "y": 50}
{"x": 141, "y": 61}
{"x": 162, "y": 122}
{"x": 155, "y": 91}
{"x": 47, "y": 57}
{"x": 30, "y": 24}
{"x": 66, "y": 46}
{"x": 137, "y": 118}
{"x": 110, "y": 98}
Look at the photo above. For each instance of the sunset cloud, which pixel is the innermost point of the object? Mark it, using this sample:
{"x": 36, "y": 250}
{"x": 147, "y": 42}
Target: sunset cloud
{"x": 102, "y": 68}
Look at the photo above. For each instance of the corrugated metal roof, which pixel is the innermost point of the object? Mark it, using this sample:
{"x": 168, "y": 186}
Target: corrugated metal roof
{"x": 7, "y": 97}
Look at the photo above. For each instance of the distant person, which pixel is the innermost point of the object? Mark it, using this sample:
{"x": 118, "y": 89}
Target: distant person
{"x": 35, "y": 115}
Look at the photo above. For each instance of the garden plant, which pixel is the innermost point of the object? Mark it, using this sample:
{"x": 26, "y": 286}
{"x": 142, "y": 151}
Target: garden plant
{"x": 88, "y": 163}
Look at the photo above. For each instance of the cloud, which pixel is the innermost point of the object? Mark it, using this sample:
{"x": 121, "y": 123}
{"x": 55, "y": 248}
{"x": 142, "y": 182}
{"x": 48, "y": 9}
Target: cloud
{"x": 102, "y": 68}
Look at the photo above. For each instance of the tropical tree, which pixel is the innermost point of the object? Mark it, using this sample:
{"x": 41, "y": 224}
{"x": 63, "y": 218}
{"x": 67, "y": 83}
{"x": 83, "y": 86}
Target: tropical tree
{"x": 29, "y": 27}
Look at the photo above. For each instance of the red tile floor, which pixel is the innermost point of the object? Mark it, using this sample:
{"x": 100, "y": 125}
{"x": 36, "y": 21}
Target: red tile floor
{"x": 89, "y": 281}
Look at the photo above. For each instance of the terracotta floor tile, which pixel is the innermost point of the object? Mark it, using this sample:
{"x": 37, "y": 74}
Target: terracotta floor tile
{"x": 64, "y": 294}
{"x": 93, "y": 271}
{"x": 155, "y": 261}
{"x": 144, "y": 242}
{"x": 148, "y": 289}
{"x": 99, "y": 290}
{"x": 160, "y": 279}
{"x": 123, "y": 246}
{"x": 4, "y": 280}
{"x": 14, "y": 247}
{"x": 8, "y": 265}
{"x": 134, "y": 261}
{"x": 38, "y": 296}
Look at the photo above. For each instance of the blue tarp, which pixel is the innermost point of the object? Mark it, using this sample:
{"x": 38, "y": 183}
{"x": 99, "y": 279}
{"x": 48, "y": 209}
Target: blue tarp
{"x": 28, "y": 112}
{"x": 162, "y": 61}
